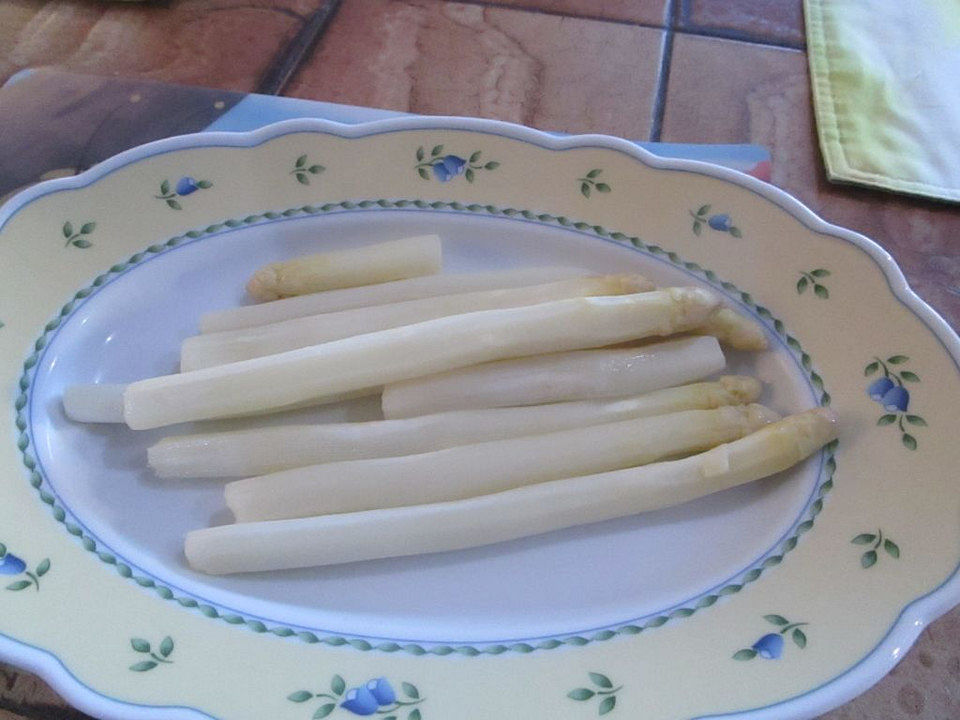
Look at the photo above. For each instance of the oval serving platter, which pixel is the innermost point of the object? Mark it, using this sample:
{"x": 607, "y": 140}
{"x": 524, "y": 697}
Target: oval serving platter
{"x": 776, "y": 600}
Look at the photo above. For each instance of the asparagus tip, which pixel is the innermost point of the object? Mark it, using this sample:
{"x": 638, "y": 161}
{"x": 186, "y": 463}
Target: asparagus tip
{"x": 742, "y": 388}
{"x": 262, "y": 286}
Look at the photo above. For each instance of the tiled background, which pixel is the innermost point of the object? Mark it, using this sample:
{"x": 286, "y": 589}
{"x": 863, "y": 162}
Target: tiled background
{"x": 673, "y": 70}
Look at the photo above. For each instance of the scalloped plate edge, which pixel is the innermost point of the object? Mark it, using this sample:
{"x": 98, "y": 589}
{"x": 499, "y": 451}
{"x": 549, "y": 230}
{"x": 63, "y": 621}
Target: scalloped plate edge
{"x": 854, "y": 681}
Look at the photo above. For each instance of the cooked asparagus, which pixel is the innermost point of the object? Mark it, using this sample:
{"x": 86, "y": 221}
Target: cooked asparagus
{"x": 735, "y": 330}
{"x": 258, "y": 451}
{"x": 579, "y": 375}
{"x": 365, "y": 265}
{"x": 315, "y": 373}
{"x": 530, "y": 510}
{"x": 212, "y": 349}
{"x": 380, "y": 294}
{"x": 469, "y": 470}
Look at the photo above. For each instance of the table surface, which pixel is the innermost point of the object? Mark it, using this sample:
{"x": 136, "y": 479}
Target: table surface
{"x": 725, "y": 71}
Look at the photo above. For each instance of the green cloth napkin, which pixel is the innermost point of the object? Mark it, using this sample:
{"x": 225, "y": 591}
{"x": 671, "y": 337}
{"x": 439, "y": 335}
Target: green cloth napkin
{"x": 886, "y": 92}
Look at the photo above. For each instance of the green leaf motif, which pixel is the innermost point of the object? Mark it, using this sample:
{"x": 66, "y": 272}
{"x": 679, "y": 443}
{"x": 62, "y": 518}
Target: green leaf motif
{"x": 423, "y": 173}
{"x": 821, "y": 291}
{"x": 43, "y": 567}
{"x": 164, "y": 187}
{"x": 864, "y": 539}
{"x": 703, "y": 210}
{"x": 324, "y": 710}
{"x": 603, "y": 187}
{"x": 916, "y": 420}
{"x": 82, "y": 244}
{"x": 601, "y": 680}
{"x": 909, "y": 441}
{"x": 166, "y": 646}
{"x": 492, "y": 165}
{"x": 302, "y": 160}
{"x": 897, "y": 359}
{"x": 337, "y": 685}
{"x": 437, "y": 149}
{"x": 475, "y": 156}
{"x": 607, "y": 705}
{"x": 735, "y": 231}
{"x": 414, "y": 714}
{"x": 174, "y": 204}
{"x": 140, "y": 645}
{"x": 204, "y": 184}
{"x": 801, "y": 285}
{"x": 88, "y": 228}
{"x": 300, "y": 696}
{"x": 409, "y": 689}
{"x": 868, "y": 559}
{"x": 696, "y": 228}
{"x": 143, "y": 666}
{"x": 19, "y": 585}
{"x": 302, "y": 178}
{"x": 593, "y": 173}
{"x": 871, "y": 369}
{"x": 585, "y": 190}
{"x": 887, "y": 419}
{"x": 67, "y": 229}
{"x": 3, "y": 550}
{"x": 799, "y": 638}
{"x": 909, "y": 376}
{"x": 776, "y": 619}
{"x": 315, "y": 169}
{"x": 581, "y": 694}
{"x": 893, "y": 550}
{"x": 420, "y": 154}
{"x": 469, "y": 175}
{"x": 820, "y": 272}
{"x": 745, "y": 654}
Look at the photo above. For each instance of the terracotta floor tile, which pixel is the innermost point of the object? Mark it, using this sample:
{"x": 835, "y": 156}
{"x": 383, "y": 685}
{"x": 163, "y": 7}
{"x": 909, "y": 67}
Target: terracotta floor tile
{"x": 775, "y": 21}
{"x": 724, "y": 91}
{"x": 649, "y": 12}
{"x": 209, "y": 42}
{"x": 556, "y": 73}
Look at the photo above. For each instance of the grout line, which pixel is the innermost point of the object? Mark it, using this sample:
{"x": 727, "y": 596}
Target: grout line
{"x": 663, "y": 77}
{"x": 289, "y": 60}
{"x": 559, "y": 13}
{"x": 741, "y": 36}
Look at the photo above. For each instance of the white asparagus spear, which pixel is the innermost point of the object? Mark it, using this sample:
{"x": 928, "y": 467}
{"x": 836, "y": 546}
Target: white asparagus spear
{"x": 735, "y": 330}
{"x": 98, "y": 403}
{"x": 365, "y": 265}
{"x": 469, "y": 470}
{"x": 212, "y": 349}
{"x": 380, "y": 294}
{"x": 578, "y": 375}
{"x": 530, "y": 510}
{"x": 258, "y": 451}
{"x": 317, "y": 372}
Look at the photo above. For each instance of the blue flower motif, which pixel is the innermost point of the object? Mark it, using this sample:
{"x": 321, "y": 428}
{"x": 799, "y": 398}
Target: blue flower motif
{"x": 448, "y": 167}
{"x": 770, "y": 646}
{"x": 12, "y": 565}
{"x": 186, "y": 185}
{"x": 878, "y": 388}
{"x": 382, "y": 691}
{"x": 896, "y": 399}
{"x": 360, "y": 701}
{"x": 720, "y": 222}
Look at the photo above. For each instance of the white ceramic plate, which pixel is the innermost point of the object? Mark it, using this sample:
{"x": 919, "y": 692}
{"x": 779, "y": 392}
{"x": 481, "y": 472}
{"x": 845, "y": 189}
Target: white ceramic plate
{"x": 775, "y": 600}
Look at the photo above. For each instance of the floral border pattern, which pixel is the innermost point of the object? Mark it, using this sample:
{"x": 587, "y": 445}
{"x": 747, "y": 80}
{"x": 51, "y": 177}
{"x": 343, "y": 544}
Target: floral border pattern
{"x": 469, "y": 650}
